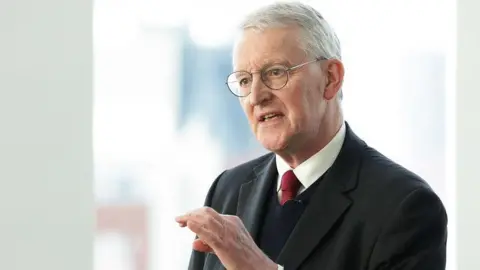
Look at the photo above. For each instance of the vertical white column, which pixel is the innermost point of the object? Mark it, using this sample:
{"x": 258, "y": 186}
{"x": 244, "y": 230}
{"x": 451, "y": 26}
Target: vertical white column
{"x": 46, "y": 198}
{"x": 466, "y": 138}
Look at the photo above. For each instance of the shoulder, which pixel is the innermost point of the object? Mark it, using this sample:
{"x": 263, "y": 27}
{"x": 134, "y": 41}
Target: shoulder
{"x": 227, "y": 185}
{"x": 249, "y": 166}
{"x": 375, "y": 173}
{"x": 401, "y": 207}
{"x": 384, "y": 186}
{"x": 380, "y": 172}
{"x": 240, "y": 174}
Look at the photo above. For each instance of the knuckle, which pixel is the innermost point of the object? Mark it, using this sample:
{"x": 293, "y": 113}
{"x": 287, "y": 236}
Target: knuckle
{"x": 209, "y": 210}
{"x": 236, "y": 219}
{"x": 210, "y": 219}
{"x": 192, "y": 226}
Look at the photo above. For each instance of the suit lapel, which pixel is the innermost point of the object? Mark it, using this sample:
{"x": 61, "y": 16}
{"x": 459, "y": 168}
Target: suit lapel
{"x": 254, "y": 193}
{"x": 252, "y": 197}
{"x": 328, "y": 203}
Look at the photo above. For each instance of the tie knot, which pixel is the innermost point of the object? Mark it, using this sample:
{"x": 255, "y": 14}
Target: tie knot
{"x": 290, "y": 182}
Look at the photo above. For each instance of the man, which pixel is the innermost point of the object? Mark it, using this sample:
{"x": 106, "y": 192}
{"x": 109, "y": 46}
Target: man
{"x": 323, "y": 199}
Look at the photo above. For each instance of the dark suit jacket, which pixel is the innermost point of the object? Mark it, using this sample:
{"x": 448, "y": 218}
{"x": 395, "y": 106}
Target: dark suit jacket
{"x": 367, "y": 213}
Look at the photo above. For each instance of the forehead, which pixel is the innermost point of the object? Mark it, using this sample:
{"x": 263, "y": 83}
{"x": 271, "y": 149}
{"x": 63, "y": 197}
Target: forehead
{"x": 255, "y": 49}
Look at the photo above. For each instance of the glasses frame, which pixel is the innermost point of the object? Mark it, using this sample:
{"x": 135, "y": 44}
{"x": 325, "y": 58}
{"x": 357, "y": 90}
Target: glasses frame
{"x": 287, "y": 70}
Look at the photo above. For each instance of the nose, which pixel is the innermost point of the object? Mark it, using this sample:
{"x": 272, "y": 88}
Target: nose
{"x": 259, "y": 93}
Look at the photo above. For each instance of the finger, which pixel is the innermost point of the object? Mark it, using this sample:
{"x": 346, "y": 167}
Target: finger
{"x": 201, "y": 246}
{"x": 204, "y": 233}
{"x": 205, "y": 218}
{"x": 200, "y": 229}
{"x": 206, "y": 224}
{"x": 192, "y": 216}
{"x": 182, "y": 224}
{"x": 183, "y": 218}
{"x": 197, "y": 215}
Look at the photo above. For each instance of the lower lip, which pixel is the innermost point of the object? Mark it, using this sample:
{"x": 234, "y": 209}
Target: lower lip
{"x": 272, "y": 121}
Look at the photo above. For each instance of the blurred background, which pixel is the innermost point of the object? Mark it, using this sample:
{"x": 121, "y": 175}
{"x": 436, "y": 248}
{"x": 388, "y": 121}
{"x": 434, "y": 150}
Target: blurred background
{"x": 161, "y": 102}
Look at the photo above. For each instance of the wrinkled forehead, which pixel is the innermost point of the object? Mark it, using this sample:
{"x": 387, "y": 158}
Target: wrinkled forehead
{"x": 254, "y": 49}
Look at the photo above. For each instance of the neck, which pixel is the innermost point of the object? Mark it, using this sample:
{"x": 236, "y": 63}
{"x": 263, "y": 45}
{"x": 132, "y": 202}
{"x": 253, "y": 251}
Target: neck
{"x": 327, "y": 130}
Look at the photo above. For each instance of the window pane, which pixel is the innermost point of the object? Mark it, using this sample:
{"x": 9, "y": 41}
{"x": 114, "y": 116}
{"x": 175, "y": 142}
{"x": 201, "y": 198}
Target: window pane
{"x": 166, "y": 124}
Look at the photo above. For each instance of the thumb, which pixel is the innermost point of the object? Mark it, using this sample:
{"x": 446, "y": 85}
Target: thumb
{"x": 200, "y": 246}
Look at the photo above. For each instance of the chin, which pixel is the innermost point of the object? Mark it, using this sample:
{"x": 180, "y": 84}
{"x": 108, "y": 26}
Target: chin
{"x": 274, "y": 144}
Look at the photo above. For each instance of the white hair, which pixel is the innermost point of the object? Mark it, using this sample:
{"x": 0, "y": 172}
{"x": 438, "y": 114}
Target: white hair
{"x": 317, "y": 37}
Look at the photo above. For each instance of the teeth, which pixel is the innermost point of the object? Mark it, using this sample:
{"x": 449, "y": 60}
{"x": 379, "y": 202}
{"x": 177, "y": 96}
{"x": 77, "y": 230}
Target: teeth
{"x": 269, "y": 116}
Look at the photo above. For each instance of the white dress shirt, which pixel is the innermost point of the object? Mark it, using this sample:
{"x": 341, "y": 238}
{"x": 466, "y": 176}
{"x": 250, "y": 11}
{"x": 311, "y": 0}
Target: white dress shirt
{"x": 313, "y": 168}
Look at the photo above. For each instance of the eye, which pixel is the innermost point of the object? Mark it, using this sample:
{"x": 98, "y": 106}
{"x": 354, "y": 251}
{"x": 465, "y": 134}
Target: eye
{"x": 243, "y": 82}
{"x": 274, "y": 72}
{"x": 240, "y": 79}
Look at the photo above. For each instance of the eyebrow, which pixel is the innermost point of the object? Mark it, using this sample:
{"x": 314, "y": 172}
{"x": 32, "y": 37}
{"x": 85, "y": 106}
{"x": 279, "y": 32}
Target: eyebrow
{"x": 269, "y": 63}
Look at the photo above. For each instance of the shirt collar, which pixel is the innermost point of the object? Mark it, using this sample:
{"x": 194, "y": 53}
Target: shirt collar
{"x": 314, "y": 167}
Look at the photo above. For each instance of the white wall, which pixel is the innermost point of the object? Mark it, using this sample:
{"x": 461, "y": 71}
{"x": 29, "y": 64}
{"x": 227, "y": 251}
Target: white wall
{"x": 46, "y": 199}
{"x": 467, "y": 195}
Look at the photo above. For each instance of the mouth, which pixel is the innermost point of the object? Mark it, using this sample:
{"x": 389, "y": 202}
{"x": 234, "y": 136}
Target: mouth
{"x": 270, "y": 117}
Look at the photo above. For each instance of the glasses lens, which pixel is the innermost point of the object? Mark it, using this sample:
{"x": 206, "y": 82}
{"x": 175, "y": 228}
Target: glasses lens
{"x": 240, "y": 83}
{"x": 275, "y": 77}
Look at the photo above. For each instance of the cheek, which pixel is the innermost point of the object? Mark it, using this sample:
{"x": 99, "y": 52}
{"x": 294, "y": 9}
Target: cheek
{"x": 244, "y": 105}
{"x": 313, "y": 97}
{"x": 297, "y": 110}
{"x": 248, "y": 110}
{"x": 303, "y": 107}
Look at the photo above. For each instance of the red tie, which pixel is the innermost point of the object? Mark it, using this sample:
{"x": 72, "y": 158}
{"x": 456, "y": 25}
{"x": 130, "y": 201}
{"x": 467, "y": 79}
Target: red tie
{"x": 289, "y": 186}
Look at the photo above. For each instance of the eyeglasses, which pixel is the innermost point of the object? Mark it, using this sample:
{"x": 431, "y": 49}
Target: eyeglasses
{"x": 274, "y": 77}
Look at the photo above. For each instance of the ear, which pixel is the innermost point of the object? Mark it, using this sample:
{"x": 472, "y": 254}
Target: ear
{"x": 334, "y": 73}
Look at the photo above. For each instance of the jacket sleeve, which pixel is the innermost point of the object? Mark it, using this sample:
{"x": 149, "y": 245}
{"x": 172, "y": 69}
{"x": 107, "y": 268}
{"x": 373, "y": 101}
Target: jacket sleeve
{"x": 197, "y": 259}
{"x": 415, "y": 236}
